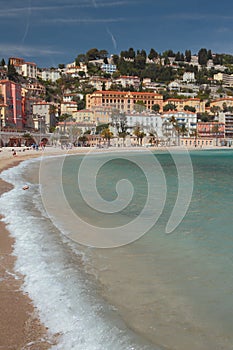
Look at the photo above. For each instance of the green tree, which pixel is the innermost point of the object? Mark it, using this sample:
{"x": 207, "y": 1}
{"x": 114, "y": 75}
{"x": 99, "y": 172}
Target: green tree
{"x": 11, "y": 72}
{"x": 202, "y": 57}
{"x": 169, "y": 107}
{"x": 80, "y": 58}
{"x": 188, "y": 56}
{"x": 103, "y": 54}
{"x": 138, "y": 132}
{"x": 107, "y": 135}
{"x": 139, "y": 106}
{"x": 100, "y": 128}
{"x": 83, "y": 140}
{"x": 189, "y": 108}
{"x": 92, "y": 54}
{"x": 156, "y": 107}
{"x": 3, "y": 63}
{"x": 131, "y": 53}
{"x": 153, "y": 55}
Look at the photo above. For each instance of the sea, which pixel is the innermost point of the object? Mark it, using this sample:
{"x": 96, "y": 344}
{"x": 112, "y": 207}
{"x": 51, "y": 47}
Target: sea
{"x": 99, "y": 262}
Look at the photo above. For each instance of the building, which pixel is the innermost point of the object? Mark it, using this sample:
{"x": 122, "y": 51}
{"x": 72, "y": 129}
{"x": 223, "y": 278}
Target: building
{"x": 128, "y": 81}
{"x": 197, "y": 142}
{"x": 42, "y": 116}
{"x": 211, "y": 129}
{"x": 11, "y": 94}
{"x": 84, "y": 116}
{"x": 50, "y": 75}
{"x": 222, "y": 103}
{"x": 36, "y": 89}
{"x": 29, "y": 70}
{"x": 17, "y": 63}
{"x": 123, "y": 101}
{"x": 108, "y": 68}
{"x": 73, "y": 70}
{"x": 68, "y": 108}
{"x": 70, "y": 128}
{"x": 71, "y": 97}
{"x": 227, "y": 119}
{"x": 149, "y": 85}
{"x": 102, "y": 115}
{"x": 186, "y": 119}
{"x": 189, "y": 77}
{"x": 226, "y": 79}
{"x": 98, "y": 83}
{"x": 148, "y": 122}
{"x": 191, "y": 102}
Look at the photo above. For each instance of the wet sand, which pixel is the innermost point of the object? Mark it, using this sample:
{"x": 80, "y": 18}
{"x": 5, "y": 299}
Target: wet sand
{"x": 20, "y": 326}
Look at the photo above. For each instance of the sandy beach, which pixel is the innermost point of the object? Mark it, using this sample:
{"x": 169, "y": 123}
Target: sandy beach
{"x": 20, "y": 326}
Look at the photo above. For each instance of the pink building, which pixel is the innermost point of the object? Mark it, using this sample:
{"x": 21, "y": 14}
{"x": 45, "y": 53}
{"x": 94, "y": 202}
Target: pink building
{"x": 211, "y": 129}
{"x": 12, "y": 98}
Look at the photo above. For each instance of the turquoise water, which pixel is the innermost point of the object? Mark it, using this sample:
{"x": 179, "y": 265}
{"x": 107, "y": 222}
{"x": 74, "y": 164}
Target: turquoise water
{"x": 166, "y": 291}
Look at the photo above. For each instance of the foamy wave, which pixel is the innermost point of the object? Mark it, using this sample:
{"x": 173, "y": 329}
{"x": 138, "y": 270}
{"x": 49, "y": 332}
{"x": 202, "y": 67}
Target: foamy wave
{"x": 62, "y": 292}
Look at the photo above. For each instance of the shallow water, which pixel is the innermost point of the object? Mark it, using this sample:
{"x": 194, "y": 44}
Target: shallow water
{"x": 168, "y": 291}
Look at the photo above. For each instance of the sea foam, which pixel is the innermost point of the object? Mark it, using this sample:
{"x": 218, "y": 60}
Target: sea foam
{"x": 63, "y": 293}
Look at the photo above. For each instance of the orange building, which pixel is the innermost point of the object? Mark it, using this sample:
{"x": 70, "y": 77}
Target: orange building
{"x": 123, "y": 100}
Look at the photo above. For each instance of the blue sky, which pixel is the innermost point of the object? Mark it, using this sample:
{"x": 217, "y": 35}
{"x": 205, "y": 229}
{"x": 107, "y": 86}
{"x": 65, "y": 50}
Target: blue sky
{"x": 50, "y": 32}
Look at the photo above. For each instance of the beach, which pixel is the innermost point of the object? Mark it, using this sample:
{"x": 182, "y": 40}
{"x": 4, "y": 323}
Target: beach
{"x": 21, "y": 327}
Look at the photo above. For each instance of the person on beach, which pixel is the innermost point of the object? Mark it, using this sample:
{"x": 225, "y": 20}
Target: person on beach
{"x": 14, "y": 153}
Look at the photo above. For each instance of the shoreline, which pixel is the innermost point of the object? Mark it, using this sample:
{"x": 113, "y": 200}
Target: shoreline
{"x": 20, "y": 325}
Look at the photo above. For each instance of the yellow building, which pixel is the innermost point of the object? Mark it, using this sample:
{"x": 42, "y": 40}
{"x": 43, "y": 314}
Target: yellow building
{"x": 84, "y": 116}
{"x": 123, "y": 101}
{"x": 220, "y": 102}
{"x": 191, "y": 102}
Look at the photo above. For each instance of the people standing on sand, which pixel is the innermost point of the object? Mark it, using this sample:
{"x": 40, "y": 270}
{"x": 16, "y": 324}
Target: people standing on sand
{"x": 14, "y": 153}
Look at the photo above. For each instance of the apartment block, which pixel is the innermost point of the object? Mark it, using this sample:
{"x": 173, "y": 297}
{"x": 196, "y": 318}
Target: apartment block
{"x": 211, "y": 129}
{"x": 187, "y": 119}
{"x": 123, "y": 101}
{"x": 29, "y": 70}
{"x": 227, "y": 119}
{"x": 128, "y": 81}
{"x": 11, "y": 93}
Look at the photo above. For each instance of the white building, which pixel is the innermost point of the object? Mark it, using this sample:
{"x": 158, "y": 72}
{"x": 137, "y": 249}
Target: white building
{"x": 189, "y": 77}
{"x": 29, "y": 70}
{"x": 50, "y": 75}
{"x": 127, "y": 81}
{"x": 108, "y": 68}
{"x": 187, "y": 119}
{"x": 148, "y": 122}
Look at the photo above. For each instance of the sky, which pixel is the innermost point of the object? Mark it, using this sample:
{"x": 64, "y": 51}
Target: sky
{"x": 51, "y": 32}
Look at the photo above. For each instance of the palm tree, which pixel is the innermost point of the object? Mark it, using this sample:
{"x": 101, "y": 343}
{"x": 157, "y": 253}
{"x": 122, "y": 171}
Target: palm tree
{"x": 153, "y": 137}
{"x": 107, "y": 135}
{"x": 215, "y": 131}
{"x": 139, "y": 134}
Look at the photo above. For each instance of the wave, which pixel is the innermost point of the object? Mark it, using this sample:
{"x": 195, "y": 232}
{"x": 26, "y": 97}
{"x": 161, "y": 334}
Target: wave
{"x": 67, "y": 298}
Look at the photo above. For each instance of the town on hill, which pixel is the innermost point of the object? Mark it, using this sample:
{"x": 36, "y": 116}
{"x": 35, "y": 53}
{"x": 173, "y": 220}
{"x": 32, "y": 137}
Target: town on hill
{"x": 134, "y": 98}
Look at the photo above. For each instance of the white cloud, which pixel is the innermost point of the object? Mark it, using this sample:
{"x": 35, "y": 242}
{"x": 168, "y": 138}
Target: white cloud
{"x": 26, "y": 51}
{"x": 16, "y": 11}
{"x": 85, "y": 20}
